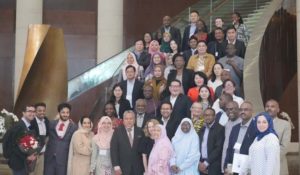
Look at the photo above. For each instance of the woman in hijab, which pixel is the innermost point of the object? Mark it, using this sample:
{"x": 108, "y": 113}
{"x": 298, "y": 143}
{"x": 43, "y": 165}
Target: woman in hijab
{"x": 80, "y": 148}
{"x": 130, "y": 60}
{"x": 100, "y": 161}
{"x": 156, "y": 59}
{"x": 158, "y": 82}
{"x": 186, "y": 146}
{"x": 159, "y": 160}
{"x": 264, "y": 153}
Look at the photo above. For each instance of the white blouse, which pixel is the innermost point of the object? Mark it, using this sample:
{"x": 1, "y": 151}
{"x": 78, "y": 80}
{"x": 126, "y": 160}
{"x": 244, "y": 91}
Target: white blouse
{"x": 264, "y": 156}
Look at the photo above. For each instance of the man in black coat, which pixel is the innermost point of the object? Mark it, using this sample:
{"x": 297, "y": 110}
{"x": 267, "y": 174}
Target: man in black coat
{"x": 142, "y": 57}
{"x": 18, "y": 159}
{"x": 211, "y": 144}
{"x": 232, "y": 39}
{"x": 193, "y": 42}
{"x": 40, "y": 125}
{"x": 141, "y": 116}
{"x": 124, "y": 147}
{"x": 132, "y": 88}
{"x": 175, "y": 32}
{"x": 190, "y": 30}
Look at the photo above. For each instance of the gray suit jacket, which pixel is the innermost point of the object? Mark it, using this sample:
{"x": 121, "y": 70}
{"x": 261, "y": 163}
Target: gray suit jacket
{"x": 59, "y": 147}
{"x": 283, "y": 130}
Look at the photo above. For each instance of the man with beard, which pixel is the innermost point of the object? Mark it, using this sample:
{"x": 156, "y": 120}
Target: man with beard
{"x": 60, "y": 134}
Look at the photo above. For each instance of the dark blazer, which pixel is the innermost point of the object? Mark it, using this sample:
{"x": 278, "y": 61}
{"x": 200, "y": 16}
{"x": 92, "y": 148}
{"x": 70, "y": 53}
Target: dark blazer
{"x": 34, "y": 126}
{"x": 181, "y": 108}
{"x": 247, "y": 141}
{"x": 215, "y": 142}
{"x": 18, "y": 158}
{"x": 187, "y": 54}
{"x": 137, "y": 91}
{"x": 143, "y": 59}
{"x": 217, "y": 49}
{"x": 240, "y": 48}
{"x": 125, "y": 156}
{"x": 186, "y": 37}
{"x": 58, "y": 147}
{"x": 187, "y": 79}
{"x": 147, "y": 117}
{"x": 175, "y": 34}
{"x": 124, "y": 105}
{"x": 171, "y": 126}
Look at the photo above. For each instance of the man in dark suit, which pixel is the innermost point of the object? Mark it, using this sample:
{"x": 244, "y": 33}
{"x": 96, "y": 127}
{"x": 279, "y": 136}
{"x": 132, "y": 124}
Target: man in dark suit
{"x": 168, "y": 120}
{"x": 186, "y": 75}
{"x": 232, "y": 39}
{"x": 141, "y": 116}
{"x": 217, "y": 47}
{"x": 211, "y": 144}
{"x": 124, "y": 147}
{"x": 132, "y": 88}
{"x": 242, "y": 134}
{"x": 181, "y": 103}
{"x": 175, "y": 32}
{"x": 17, "y": 160}
{"x": 142, "y": 57}
{"x": 191, "y": 29}
{"x": 40, "y": 125}
{"x": 193, "y": 42}
{"x": 60, "y": 134}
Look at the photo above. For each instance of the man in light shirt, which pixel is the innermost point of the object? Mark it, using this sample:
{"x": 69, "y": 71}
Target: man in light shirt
{"x": 57, "y": 148}
{"x": 40, "y": 125}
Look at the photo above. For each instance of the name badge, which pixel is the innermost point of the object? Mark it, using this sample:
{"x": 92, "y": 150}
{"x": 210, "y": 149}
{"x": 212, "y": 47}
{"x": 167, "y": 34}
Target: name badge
{"x": 102, "y": 152}
{"x": 237, "y": 146}
{"x": 216, "y": 54}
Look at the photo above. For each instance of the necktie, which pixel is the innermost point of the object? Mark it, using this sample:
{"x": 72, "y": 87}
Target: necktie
{"x": 130, "y": 136}
{"x": 61, "y": 127}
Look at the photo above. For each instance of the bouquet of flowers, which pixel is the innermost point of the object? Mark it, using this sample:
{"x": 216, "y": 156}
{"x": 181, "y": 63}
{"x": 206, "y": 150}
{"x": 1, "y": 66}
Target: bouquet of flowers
{"x": 7, "y": 120}
{"x": 29, "y": 145}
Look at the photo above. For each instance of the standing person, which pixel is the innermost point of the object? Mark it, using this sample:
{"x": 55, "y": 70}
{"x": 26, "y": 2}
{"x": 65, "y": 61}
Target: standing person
{"x": 211, "y": 144}
{"x": 132, "y": 88}
{"x": 232, "y": 39}
{"x": 117, "y": 97}
{"x": 158, "y": 82}
{"x": 147, "y": 142}
{"x": 147, "y": 39}
{"x": 242, "y": 30}
{"x": 168, "y": 119}
{"x": 100, "y": 160}
{"x": 181, "y": 103}
{"x": 60, "y": 134}
{"x": 80, "y": 150}
{"x": 40, "y": 125}
{"x": 130, "y": 60}
{"x": 283, "y": 130}
{"x": 152, "y": 106}
{"x": 233, "y": 63}
{"x": 191, "y": 29}
{"x": 142, "y": 57}
{"x": 203, "y": 61}
{"x": 156, "y": 59}
{"x": 110, "y": 111}
{"x": 264, "y": 153}
{"x": 124, "y": 143}
{"x": 18, "y": 160}
{"x": 192, "y": 50}
{"x": 205, "y": 97}
{"x": 197, "y": 116}
{"x": 241, "y": 134}
{"x": 201, "y": 33}
{"x": 185, "y": 76}
{"x": 175, "y": 32}
{"x": 232, "y": 111}
{"x": 216, "y": 80}
{"x": 186, "y": 146}
{"x": 217, "y": 47}
{"x": 219, "y": 23}
{"x": 159, "y": 159}
{"x": 141, "y": 116}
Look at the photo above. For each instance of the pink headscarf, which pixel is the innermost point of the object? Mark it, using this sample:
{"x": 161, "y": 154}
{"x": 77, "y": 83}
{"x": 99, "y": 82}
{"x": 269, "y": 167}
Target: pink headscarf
{"x": 102, "y": 138}
{"x": 160, "y": 155}
{"x": 153, "y": 47}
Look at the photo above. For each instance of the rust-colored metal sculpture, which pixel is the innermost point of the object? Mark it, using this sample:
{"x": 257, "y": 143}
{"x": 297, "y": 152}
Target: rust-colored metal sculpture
{"x": 44, "y": 73}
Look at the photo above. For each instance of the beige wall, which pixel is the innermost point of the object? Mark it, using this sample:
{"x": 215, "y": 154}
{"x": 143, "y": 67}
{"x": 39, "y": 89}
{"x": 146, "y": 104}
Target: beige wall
{"x": 27, "y": 12}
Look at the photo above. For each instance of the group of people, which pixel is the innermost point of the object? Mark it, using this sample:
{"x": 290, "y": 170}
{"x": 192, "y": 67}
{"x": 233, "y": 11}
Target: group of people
{"x": 172, "y": 112}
